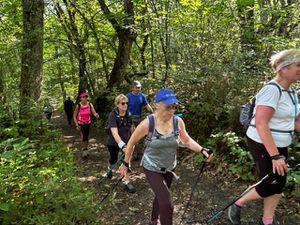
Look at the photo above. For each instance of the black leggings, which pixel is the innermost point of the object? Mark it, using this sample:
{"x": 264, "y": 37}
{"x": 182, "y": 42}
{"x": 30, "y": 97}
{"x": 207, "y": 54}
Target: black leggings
{"x": 162, "y": 204}
{"x": 84, "y": 131}
{"x": 275, "y": 183}
{"x": 113, "y": 152}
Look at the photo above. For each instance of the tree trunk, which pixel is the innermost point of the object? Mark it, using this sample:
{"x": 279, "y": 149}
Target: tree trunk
{"x": 246, "y": 17}
{"x": 121, "y": 61}
{"x": 1, "y": 81}
{"x": 126, "y": 36}
{"x": 32, "y": 53}
{"x": 62, "y": 82}
{"x": 2, "y": 94}
{"x": 83, "y": 80}
{"x": 75, "y": 38}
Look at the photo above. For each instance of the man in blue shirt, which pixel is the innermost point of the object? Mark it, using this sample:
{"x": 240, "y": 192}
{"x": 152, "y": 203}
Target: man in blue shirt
{"x": 136, "y": 101}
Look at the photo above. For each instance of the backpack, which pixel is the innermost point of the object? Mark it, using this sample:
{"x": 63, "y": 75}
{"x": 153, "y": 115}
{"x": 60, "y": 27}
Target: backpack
{"x": 119, "y": 122}
{"x": 151, "y": 129}
{"x": 246, "y": 110}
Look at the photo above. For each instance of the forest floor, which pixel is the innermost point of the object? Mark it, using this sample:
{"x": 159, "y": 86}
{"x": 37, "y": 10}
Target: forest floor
{"x": 213, "y": 191}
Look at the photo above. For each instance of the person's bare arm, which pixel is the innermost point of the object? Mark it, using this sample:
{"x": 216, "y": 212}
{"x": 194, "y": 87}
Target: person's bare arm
{"x": 140, "y": 132}
{"x": 297, "y": 124}
{"x": 115, "y": 134}
{"x": 149, "y": 108}
{"x": 190, "y": 142}
{"x": 94, "y": 112}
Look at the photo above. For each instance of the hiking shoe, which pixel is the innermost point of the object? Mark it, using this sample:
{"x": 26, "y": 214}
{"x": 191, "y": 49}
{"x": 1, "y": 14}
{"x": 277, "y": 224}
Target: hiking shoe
{"x": 130, "y": 188}
{"x": 234, "y": 214}
{"x": 109, "y": 174}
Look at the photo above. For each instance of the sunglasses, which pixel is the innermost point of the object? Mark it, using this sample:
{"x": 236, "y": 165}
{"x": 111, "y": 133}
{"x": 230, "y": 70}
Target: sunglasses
{"x": 124, "y": 103}
{"x": 170, "y": 107}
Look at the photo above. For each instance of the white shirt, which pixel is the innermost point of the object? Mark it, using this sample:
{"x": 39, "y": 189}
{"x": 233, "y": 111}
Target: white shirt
{"x": 283, "y": 117}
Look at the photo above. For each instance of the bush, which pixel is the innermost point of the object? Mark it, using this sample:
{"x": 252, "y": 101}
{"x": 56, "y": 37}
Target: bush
{"x": 37, "y": 180}
{"x": 233, "y": 152}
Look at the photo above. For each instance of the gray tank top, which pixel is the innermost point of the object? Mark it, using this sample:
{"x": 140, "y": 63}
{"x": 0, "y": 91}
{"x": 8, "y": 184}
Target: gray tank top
{"x": 160, "y": 152}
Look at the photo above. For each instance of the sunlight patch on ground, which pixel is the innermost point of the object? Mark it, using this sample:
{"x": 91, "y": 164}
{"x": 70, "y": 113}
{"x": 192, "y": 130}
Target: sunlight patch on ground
{"x": 69, "y": 137}
{"x": 88, "y": 179}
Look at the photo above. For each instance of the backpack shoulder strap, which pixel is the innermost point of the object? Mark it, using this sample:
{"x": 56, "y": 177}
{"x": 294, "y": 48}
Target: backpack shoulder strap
{"x": 276, "y": 85}
{"x": 175, "y": 126}
{"x": 151, "y": 129}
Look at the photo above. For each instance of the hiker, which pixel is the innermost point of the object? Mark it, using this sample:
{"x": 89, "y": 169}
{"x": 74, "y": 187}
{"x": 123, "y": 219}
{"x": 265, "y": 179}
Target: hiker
{"x": 270, "y": 133}
{"x": 68, "y": 107}
{"x": 82, "y": 119}
{"x": 119, "y": 132}
{"x": 48, "y": 109}
{"x": 163, "y": 130}
{"x": 136, "y": 102}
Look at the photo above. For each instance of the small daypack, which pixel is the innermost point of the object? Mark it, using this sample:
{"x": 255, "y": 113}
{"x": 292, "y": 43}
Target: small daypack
{"x": 246, "y": 110}
{"x": 151, "y": 129}
{"x": 119, "y": 122}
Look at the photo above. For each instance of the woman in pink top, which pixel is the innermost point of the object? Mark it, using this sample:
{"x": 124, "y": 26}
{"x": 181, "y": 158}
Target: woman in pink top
{"x": 82, "y": 118}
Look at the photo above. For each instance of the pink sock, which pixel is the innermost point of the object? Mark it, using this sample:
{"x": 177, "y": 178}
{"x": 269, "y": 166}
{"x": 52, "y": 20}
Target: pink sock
{"x": 267, "y": 220}
{"x": 239, "y": 203}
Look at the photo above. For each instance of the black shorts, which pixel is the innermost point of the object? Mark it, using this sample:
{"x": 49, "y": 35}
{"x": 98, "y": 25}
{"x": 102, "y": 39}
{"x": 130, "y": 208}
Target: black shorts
{"x": 84, "y": 131}
{"x": 275, "y": 183}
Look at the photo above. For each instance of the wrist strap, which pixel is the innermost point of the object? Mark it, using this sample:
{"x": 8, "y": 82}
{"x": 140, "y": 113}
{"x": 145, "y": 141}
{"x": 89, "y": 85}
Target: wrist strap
{"x": 125, "y": 163}
{"x": 207, "y": 150}
{"x": 277, "y": 156}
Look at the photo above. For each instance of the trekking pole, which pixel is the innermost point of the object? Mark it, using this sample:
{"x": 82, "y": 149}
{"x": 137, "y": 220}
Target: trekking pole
{"x": 193, "y": 190}
{"x": 118, "y": 161}
{"x": 111, "y": 189}
{"x": 220, "y": 212}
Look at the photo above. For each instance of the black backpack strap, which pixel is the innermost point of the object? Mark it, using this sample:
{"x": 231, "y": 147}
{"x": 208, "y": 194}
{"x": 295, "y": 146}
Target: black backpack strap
{"x": 151, "y": 129}
{"x": 175, "y": 126}
{"x": 276, "y": 85}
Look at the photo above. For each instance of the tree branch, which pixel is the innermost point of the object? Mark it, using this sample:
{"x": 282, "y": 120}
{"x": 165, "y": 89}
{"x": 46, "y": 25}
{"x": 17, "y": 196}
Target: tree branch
{"x": 110, "y": 16}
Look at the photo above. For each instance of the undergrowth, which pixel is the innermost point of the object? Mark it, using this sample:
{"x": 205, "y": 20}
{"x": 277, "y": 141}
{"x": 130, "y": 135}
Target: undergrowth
{"x": 37, "y": 179}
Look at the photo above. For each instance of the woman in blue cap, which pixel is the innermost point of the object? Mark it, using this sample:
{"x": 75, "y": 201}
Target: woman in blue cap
{"x": 164, "y": 131}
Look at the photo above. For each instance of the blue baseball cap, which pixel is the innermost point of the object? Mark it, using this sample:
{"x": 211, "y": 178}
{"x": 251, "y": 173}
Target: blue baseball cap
{"x": 166, "y": 96}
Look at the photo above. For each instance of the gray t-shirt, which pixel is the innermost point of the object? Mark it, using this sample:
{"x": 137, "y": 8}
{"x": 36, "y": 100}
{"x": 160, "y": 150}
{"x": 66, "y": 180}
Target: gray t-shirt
{"x": 283, "y": 117}
{"x": 123, "y": 123}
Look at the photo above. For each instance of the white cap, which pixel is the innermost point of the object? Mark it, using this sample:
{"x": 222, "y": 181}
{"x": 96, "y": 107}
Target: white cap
{"x": 136, "y": 83}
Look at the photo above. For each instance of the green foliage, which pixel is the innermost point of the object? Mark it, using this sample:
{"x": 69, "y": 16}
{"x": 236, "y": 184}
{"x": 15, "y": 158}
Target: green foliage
{"x": 233, "y": 152}
{"x": 37, "y": 180}
{"x": 293, "y": 178}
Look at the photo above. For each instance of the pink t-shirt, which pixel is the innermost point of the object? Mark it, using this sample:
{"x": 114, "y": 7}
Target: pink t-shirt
{"x": 84, "y": 114}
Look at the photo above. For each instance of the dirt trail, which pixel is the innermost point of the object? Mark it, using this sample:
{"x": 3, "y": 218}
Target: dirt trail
{"x": 212, "y": 192}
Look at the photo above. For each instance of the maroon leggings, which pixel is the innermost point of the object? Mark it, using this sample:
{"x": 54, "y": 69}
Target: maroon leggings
{"x": 162, "y": 204}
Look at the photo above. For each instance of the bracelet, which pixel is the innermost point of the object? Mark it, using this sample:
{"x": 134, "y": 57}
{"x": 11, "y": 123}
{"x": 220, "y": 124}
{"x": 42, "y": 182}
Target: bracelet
{"x": 277, "y": 156}
{"x": 209, "y": 151}
{"x": 125, "y": 163}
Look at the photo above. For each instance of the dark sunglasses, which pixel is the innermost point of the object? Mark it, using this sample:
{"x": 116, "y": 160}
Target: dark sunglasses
{"x": 171, "y": 107}
{"x": 124, "y": 103}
